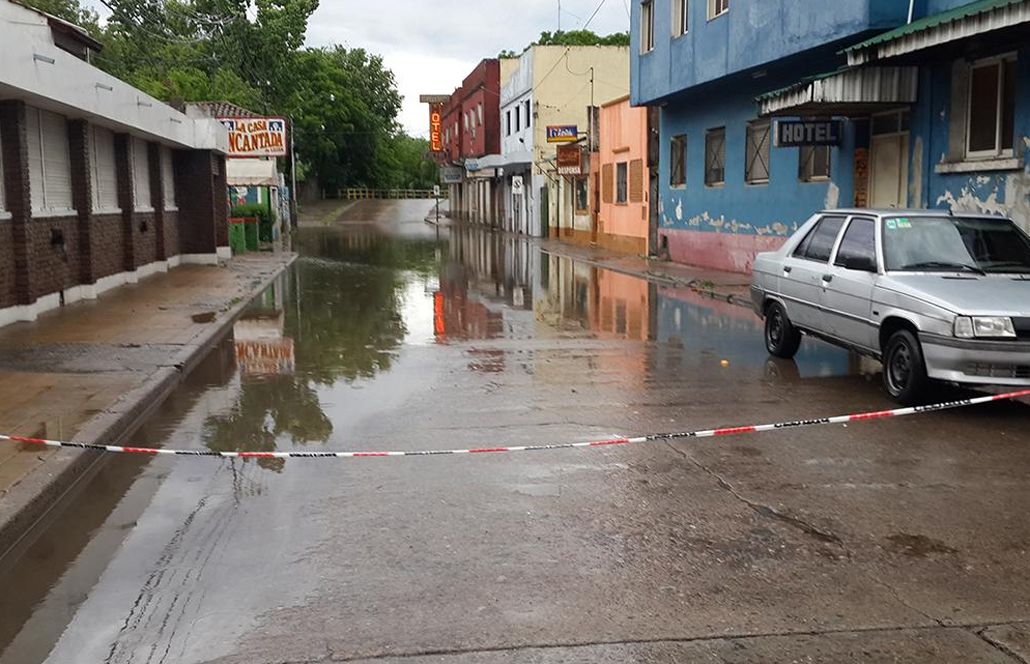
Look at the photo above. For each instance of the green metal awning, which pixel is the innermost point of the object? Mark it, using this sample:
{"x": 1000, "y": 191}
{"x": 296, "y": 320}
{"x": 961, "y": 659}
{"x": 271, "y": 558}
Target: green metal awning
{"x": 959, "y": 23}
{"x": 847, "y": 92}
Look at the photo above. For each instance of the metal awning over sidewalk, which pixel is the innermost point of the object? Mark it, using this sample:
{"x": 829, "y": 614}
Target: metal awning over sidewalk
{"x": 963, "y": 22}
{"x": 846, "y": 92}
{"x": 251, "y": 173}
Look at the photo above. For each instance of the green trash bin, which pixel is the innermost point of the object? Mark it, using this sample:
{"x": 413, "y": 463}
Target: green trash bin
{"x": 252, "y": 230}
{"x": 237, "y": 237}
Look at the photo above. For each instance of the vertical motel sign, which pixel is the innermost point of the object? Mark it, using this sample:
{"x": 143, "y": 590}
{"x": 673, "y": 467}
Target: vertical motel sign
{"x": 436, "y": 104}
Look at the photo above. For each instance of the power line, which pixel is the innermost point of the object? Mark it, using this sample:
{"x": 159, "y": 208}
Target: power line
{"x": 568, "y": 48}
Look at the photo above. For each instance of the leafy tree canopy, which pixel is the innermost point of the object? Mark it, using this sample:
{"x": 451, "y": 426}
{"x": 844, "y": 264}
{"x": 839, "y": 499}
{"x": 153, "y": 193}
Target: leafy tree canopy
{"x": 573, "y": 38}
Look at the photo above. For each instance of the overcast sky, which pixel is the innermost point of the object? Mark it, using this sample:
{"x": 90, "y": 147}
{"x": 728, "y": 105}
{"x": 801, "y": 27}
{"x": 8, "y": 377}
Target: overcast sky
{"x": 432, "y": 45}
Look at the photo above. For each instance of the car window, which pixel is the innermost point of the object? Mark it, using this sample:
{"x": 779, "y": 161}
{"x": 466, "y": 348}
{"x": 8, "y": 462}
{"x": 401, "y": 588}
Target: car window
{"x": 819, "y": 244}
{"x": 859, "y": 244}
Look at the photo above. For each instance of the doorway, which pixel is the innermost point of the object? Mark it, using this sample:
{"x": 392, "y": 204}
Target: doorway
{"x": 888, "y": 160}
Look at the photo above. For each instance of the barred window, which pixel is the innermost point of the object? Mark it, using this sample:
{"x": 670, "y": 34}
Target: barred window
{"x": 678, "y": 161}
{"x": 715, "y": 157}
{"x": 756, "y": 163}
{"x": 621, "y": 183}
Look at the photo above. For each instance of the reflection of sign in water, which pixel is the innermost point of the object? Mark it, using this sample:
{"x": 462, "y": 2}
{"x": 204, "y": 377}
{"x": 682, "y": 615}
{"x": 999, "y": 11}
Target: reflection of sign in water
{"x": 517, "y": 185}
{"x": 261, "y": 349}
{"x": 256, "y": 137}
{"x": 266, "y": 358}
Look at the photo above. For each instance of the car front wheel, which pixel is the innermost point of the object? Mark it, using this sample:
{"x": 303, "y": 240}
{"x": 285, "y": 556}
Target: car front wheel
{"x": 782, "y": 339}
{"x": 904, "y": 370}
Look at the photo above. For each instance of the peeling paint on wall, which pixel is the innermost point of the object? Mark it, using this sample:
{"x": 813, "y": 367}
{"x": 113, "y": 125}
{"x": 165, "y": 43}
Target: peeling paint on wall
{"x": 1002, "y": 195}
{"x": 832, "y": 196}
{"x": 679, "y": 210}
{"x": 915, "y": 179}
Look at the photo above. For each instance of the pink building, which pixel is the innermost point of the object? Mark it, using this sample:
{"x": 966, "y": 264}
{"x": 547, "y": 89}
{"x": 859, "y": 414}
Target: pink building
{"x": 622, "y": 214}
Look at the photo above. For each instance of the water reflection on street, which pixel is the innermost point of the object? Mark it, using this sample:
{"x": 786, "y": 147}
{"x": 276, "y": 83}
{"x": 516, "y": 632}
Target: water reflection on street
{"x": 348, "y": 309}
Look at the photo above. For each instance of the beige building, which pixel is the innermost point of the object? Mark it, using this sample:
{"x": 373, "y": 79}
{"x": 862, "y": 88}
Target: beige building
{"x": 551, "y": 86}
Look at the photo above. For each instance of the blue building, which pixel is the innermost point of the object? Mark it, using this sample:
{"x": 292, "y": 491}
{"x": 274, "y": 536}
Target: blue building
{"x": 773, "y": 109}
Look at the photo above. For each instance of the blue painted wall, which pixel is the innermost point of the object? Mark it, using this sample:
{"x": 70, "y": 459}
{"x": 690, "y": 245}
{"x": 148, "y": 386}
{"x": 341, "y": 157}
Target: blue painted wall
{"x": 1001, "y": 192}
{"x": 752, "y": 34}
{"x": 773, "y": 209}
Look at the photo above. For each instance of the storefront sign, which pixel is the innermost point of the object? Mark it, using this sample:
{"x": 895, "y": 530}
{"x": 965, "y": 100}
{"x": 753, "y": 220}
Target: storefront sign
{"x": 451, "y": 175}
{"x": 562, "y": 133}
{"x": 570, "y": 160}
{"x": 471, "y": 165}
{"x": 797, "y": 133}
{"x": 256, "y": 137}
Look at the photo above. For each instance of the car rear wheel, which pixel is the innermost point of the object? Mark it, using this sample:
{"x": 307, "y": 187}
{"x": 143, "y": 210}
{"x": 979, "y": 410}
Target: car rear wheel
{"x": 782, "y": 339}
{"x": 904, "y": 370}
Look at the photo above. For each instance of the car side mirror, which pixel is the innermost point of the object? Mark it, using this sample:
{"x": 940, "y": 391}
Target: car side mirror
{"x": 862, "y": 263}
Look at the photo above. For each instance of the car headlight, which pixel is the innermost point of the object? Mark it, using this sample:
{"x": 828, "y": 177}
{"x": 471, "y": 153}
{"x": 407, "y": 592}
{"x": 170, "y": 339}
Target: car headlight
{"x": 989, "y": 327}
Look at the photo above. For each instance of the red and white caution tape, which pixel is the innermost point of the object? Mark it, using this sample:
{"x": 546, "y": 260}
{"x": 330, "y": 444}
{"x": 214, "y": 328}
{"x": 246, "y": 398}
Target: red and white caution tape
{"x": 709, "y": 433}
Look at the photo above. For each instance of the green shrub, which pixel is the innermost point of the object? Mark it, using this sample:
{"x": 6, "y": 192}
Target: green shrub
{"x": 260, "y": 211}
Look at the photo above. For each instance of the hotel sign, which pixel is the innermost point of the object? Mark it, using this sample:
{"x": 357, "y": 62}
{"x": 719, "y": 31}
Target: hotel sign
{"x": 436, "y": 128}
{"x": 562, "y": 133}
{"x": 798, "y": 133}
{"x": 256, "y": 137}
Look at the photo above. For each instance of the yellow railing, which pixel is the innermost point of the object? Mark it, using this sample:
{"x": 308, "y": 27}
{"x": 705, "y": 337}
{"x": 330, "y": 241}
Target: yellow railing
{"x": 364, "y": 193}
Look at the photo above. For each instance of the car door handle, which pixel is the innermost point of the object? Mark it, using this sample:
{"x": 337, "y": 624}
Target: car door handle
{"x": 788, "y": 269}
{"x": 827, "y": 278}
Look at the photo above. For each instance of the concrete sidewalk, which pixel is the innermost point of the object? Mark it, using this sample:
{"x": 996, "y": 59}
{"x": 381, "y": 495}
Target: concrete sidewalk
{"x": 93, "y": 370}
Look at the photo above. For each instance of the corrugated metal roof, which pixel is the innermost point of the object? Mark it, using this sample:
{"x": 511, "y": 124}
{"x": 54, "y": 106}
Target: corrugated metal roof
{"x": 858, "y": 53}
{"x": 859, "y": 88}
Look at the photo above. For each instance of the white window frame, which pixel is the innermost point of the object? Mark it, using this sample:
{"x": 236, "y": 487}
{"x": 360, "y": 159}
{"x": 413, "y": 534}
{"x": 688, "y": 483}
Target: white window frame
{"x": 47, "y": 208}
{"x": 646, "y": 26}
{"x": 99, "y": 206}
{"x": 680, "y": 18}
{"x": 136, "y": 160}
{"x": 998, "y": 62}
{"x": 168, "y": 179}
{"x": 717, "y": 8}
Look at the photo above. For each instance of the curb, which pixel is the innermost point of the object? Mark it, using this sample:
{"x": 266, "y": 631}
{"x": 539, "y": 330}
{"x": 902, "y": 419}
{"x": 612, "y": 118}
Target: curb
{"x": 33, "y": 499}
{"x": 696, "y": 285}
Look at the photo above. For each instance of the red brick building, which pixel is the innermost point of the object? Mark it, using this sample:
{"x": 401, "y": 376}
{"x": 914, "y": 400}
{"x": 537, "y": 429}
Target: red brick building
{"x": 102, "y": 184}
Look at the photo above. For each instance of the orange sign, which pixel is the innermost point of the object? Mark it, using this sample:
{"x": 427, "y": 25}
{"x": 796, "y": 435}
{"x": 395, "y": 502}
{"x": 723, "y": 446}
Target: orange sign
{"x": 256, "y": 137}
{"x": 435, "y": 128}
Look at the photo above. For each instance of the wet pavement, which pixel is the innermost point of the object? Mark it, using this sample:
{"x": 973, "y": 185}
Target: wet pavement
{"x": 897, "y": 541}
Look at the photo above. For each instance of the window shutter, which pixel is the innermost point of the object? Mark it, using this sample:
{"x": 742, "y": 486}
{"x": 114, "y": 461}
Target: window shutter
{"x": 168, "y": 177}
{"x": 607, "y": 184}
{"x": 636, "y": 181}
{"x": 141, "y": 173}
{"x": 35, "y": 158}
{"x": 105, "y": 174}
{"x": 57, "y": 167}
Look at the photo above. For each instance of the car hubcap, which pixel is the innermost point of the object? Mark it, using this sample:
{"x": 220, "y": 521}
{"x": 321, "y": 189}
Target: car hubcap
{"x": 775, "y": 329}
{"x": 899, "y": 370}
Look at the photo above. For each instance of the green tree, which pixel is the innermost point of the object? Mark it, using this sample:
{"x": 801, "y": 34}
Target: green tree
{"x": 573, "y": 38}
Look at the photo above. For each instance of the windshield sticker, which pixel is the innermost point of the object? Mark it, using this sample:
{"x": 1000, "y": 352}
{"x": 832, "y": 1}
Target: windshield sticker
{"x": 904, "y": 223}
{"x": 892, "y": 224}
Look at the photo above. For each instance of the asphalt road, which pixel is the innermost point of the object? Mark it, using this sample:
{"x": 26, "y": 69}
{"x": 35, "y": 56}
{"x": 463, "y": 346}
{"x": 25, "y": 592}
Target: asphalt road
{"x": 902, "y": 541}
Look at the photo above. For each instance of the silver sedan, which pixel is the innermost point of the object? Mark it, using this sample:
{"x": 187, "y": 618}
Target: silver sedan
{"x": 932, "y": 295}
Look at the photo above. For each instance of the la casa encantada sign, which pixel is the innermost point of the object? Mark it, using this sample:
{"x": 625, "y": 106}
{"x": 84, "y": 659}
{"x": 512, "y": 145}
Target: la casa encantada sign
{"x": 256, "y": 137}
{"x": 798, "y": 133}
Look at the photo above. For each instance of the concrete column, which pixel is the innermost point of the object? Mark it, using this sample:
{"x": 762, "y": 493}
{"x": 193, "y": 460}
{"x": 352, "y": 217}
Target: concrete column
{"x": 126, "y": 198}
{"x": 81, "y": 153}
{"x": 201, "y": 195}
{"x": 18, "y": 197}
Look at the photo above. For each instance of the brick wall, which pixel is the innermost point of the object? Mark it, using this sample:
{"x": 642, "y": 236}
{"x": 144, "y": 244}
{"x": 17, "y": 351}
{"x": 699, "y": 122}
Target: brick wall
{"x": 171, "y": 233}
{"x": 195, "y": 194}
{"x": 18, "y": 194}
{"x": 108, "y": 237}
{"x": 220, "y": 212}
{"x": 144, "y": 237}
{"x": 54, "y": 247}
{"x": 8, "y": 295}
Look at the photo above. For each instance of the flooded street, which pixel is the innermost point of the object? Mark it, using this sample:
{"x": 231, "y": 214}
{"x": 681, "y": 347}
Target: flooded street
{"x": 907, "y": 536}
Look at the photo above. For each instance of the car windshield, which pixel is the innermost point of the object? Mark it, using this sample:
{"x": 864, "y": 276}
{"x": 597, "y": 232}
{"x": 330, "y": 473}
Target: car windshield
{"x": 962, "y": 244}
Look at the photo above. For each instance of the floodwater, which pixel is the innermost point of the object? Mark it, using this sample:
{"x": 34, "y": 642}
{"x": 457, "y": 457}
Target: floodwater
{"x": 386, "y": 336}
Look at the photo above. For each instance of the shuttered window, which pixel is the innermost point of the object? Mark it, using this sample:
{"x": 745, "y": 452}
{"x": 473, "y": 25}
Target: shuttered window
{"x": 50, "y": 172}
{"x": 104, "y": 172}
{"x": 636, "y": 181}
{"x": 168, "y": 178}
{"x": 607, "y": 184}
{"x": 141, "y": 174}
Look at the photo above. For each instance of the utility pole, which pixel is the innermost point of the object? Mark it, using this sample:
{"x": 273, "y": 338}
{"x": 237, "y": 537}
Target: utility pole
{"x": 293, "y": 176}
{"x": 559, "y": 15}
